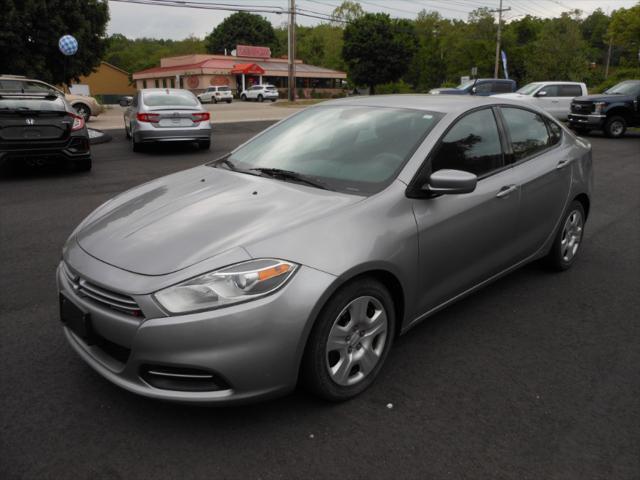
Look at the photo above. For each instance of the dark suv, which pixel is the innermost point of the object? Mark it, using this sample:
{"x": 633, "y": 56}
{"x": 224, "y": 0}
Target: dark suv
{"x": 481, "y": 86}
{"x": 42, "y": 127}
{"x": 612, "y": 111}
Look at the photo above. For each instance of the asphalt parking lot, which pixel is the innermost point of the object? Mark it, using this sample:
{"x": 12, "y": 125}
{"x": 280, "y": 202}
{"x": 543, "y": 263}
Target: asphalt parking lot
{"x": 537, "y": 376}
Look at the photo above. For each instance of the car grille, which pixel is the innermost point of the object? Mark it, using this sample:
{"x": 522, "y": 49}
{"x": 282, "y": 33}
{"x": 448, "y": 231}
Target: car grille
{"x": 582, "y": 107}
{"x": 102, "y": 296}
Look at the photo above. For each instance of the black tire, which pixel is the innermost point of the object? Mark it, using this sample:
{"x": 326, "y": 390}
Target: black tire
{"x": 243, "y": 97}
{"x": 615, "y": 127}
{"x": 260, "y": 98}
{"x": 135, "y": 146}
{"x": 83, "y": 165}
{"x": 229, "y": 101}
{"x": 83, "y": 110}
{"x": 214, "y": 100}
{"x": 315, "y": 375}
{"x": 273, "y": 99}
{"x": 126, "y": 133}
{"x": 204, "y": 144}
{"x": 557, "y": 259}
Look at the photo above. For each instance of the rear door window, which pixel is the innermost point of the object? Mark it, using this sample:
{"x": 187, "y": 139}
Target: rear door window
{"x": 502, "y": 87}
{"x": 472, "y": 145}
{"x": 527, "y": 131}
{"x": 570, "y": 91}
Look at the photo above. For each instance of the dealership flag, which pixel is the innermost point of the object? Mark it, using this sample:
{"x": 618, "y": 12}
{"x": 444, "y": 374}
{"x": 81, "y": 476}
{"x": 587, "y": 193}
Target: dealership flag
{"x": 504, "y": 63}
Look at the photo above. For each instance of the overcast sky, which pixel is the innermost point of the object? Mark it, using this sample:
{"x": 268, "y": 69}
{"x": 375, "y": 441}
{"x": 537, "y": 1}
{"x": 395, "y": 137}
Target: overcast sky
{"x": 135, "y": 20}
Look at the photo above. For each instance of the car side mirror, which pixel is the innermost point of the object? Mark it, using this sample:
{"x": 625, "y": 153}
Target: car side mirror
{"x": 541, "y": 93}
{"x": 474, "y": 90}
{"x": 451, "y": 182}
{"x": 126, "y": 101}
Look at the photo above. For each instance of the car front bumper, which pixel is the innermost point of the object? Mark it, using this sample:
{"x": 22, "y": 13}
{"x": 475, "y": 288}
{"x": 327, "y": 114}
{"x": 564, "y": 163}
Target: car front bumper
{"x": 253, "y": 350}
{"x": 592, "y": 120}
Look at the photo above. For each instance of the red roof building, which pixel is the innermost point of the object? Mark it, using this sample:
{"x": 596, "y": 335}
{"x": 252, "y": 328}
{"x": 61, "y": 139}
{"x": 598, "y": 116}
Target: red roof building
{"x": 199, "y": 71}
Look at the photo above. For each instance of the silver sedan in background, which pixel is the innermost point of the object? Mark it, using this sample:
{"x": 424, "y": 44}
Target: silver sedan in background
{"x": 302, "y": 257}
{"x": 165, "y": 115}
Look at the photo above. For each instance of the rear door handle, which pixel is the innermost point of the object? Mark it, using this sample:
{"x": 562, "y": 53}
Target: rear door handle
{"x": 506, "y": 190}
{"x": 562, "y": 164}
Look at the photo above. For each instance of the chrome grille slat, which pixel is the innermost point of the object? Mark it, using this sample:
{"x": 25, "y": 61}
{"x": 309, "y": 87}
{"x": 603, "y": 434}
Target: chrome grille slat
{"x": 84, "y": 285}
{"x": 102, "y": 296}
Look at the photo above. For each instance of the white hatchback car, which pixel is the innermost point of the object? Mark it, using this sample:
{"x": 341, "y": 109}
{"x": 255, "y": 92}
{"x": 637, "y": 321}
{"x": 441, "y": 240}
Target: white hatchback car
{"x": 260, "y": 93}
{"x": 216, "y": 94}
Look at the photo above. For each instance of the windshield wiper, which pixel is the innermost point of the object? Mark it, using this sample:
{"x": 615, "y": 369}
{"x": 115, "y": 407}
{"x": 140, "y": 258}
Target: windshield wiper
{"x": 289, "y": 175}
{"x": 224, "y": 160}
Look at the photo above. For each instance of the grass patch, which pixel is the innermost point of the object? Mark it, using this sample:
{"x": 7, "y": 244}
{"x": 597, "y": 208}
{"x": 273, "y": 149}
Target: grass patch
{"x": 300, "y": 103}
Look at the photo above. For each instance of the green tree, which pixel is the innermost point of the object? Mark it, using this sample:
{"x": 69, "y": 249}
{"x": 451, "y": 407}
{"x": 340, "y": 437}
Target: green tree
{"x": 347, "y": 12}
{"x": 560, "y": 52}
{"x": 30, "y": 30}
{"x": 241, "y": 28}
{"x": 378, "y": 49}
{"x": 624, "y": 32}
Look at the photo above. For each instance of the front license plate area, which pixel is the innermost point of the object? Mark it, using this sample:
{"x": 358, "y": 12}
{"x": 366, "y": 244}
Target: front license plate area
{"x": 78, "y": 321}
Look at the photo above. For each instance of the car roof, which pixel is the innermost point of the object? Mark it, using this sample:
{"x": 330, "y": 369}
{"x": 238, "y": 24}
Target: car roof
{"x": 434, "y": 103}
{"x": 165, "y": 90}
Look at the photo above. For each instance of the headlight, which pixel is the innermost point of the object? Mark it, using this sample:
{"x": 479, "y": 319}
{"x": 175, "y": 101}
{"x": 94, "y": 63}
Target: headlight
{"x": 599, "y": 107}
{"x": 229, "y": 285}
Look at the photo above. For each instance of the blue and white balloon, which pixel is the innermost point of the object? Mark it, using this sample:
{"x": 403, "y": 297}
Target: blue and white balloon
{"x": 68, "y": 45}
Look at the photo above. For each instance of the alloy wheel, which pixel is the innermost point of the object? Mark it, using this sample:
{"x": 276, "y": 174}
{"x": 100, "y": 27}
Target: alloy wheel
{"x": 356, "y": 340}
{"x": 571, "y": 235}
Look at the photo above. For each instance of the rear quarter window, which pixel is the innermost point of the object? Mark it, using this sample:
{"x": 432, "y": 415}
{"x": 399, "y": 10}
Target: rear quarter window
{"x": 527, "y": 130}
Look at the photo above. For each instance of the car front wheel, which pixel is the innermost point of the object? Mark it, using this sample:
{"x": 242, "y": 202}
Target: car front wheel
{"x": 243, "y": 97}
{"x": 350, "y": 341}
{"x": 83, "y": 110}
{"x": 567, "y": 242}
{"x": 615, "y": 127}
{"x": 260, "y": 98}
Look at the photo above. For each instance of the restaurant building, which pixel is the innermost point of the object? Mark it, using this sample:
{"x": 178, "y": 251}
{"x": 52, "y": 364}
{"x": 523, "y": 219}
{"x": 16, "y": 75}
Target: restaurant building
{"x": 246, "y": 66}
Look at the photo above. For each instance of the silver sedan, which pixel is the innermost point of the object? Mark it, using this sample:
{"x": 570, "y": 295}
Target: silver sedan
{"x": 303, "y": 254}
{"x": 165, "y": 115}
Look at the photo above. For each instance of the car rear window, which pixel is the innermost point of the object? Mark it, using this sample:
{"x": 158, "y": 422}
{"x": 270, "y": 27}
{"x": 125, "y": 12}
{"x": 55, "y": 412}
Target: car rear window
{"x": 35, "y": 104}
{"x": 173, "y": 99}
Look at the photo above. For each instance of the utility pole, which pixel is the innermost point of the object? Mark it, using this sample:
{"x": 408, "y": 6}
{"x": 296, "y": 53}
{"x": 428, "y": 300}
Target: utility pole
{"x": 291, "y": 54}
{"x": 497, "y": 64}
{"x": 606, "y": 68}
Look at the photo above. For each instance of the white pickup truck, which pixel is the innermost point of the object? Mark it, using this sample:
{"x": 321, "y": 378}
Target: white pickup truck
{"x": 554, "y": 97}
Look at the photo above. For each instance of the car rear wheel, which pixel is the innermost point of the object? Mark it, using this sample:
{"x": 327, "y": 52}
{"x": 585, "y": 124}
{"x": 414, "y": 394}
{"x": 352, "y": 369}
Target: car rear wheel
{"x": 567, "y": 242}
{"x": 615, "y": 127}
{"x": 273, "y": 99}
{"x": 349, "y": 341}
{"x": 135, "y": 146}
{"x": 229, "y": 101}
{"x": 260, "y": 98}
{"x": 83, "y": 110}
{"x": 243, "y": 97}
{"x": 126, "y": 133}
{"x": 214, "y": 100}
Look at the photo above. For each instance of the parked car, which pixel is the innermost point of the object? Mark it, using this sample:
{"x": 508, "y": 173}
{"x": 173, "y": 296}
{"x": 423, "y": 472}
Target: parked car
{"x": 480, "y": 86}
{"x": 304, "y": 256}
{"x": 165, "y": 115}
{"x": 612, "y": 111}
{"x": 84, "y": 105}
{"x": 260, "y": 93}
{"x": 216, "y": 94}
{"x": 40, "y": 128}
{"x": 554, "y": 97}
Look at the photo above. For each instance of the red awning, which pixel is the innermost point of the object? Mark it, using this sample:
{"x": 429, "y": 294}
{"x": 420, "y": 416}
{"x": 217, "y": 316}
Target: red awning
{"x": 247, "y": 68}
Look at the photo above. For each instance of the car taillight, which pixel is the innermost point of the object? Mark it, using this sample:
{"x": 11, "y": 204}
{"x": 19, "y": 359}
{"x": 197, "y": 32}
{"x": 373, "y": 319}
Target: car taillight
{"x": 78, "y": 122}
{"x": 148, "y": 117}
{"x": 200, "y": 117}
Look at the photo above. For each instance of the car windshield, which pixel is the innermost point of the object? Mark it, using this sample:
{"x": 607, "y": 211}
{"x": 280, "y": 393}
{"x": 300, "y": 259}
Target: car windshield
{"x": 624, "y": 88}
{"x": 32, "y": 104}
{"x": 351, "y": 149}
{"x": 529, "y": 89}
{"x": 172, "y": 99}
{"x": 465, "y": 85}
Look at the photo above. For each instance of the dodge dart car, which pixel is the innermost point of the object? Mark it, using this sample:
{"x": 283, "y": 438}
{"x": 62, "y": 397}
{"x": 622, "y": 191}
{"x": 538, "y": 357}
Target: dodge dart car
{"x": 302, "y": 254}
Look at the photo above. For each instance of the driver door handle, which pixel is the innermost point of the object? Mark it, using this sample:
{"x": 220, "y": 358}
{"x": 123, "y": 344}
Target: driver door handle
{"x": 562, "y": 164}
{"x": 506, "y": 190}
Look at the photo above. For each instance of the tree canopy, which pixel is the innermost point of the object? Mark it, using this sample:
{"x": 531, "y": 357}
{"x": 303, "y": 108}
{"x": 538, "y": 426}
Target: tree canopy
{"x": 378, "y": 49}
{"x": 30, "y": 30}
{"x": 241, "y": 28}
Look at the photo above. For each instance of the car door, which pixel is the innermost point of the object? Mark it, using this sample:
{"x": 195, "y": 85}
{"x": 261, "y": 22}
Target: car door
{"x": 548, "y": 98}
{"x": 130, "y": 112}
{"x": 566, "y": 96}
{"x": 542, "y": 165}
{"x": 465, "y": 239}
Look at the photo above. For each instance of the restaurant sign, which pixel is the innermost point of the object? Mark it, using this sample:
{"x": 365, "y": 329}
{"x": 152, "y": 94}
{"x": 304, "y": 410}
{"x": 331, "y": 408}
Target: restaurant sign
{"x": 252, "y": 51}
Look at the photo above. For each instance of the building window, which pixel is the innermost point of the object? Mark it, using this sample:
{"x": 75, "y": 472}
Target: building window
{"x": 144, "y": 84}
{"x": 173, "y": 83}
{"x": 164, "y": 83}
{"x": 156, "y": 83}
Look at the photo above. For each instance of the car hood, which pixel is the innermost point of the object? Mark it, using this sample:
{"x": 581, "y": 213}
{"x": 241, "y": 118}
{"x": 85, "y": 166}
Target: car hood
{"x": 449, "y": 91}
{"x": 602, "y": 97}
{"x": 177, "y": 221}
